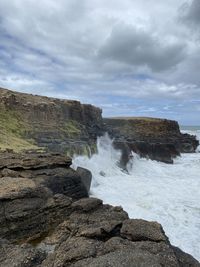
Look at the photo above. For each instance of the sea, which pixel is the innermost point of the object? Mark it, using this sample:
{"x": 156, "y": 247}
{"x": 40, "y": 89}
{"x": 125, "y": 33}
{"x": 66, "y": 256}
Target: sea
{"x": 151, "y": 190}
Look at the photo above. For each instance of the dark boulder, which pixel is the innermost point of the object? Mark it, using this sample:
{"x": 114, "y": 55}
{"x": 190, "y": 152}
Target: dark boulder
{"x": 86, "y": 177}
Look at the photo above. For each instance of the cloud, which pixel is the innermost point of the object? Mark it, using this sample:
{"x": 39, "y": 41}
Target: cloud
{"x": 140, "y": 48}
{"x": 190, "y": 12}
{"x": 125, "y": 56}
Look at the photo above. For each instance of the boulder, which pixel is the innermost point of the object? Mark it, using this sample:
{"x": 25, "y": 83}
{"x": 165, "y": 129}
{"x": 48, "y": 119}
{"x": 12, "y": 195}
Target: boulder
{"x": 86, "y": 177}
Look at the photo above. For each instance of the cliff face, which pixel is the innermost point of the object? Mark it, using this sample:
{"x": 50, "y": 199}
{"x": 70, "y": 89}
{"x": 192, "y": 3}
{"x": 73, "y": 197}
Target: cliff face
{"x": 143, "y": 128}
{"x": 60, "y": 125}
{"x": 158, "y": 139}
{"x": 31, "y": 122}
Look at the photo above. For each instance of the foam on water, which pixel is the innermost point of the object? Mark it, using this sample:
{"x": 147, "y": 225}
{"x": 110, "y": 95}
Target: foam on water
{"x": 152, "y": 190}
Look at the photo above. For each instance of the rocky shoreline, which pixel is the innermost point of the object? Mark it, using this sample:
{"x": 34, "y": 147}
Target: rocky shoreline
{"x": 47, "y": 220}
{"x": 46, "y": 215}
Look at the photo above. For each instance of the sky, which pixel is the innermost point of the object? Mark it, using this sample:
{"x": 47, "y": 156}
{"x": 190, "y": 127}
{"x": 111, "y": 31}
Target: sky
{"x": 129, "y": 57}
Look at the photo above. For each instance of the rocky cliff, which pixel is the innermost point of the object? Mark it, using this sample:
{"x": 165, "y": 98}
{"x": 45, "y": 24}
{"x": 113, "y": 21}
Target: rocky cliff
{"x": 46, "y": 217}
{"x": 48, "y": 221}
{"x": 158, "y": 139}
{"x": 29, "y": 121}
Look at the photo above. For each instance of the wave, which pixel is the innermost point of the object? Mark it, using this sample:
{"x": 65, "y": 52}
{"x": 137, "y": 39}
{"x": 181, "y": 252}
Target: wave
{"x": 151, "y": 190}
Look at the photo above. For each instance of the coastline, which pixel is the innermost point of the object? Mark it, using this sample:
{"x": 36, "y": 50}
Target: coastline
{"x": 44, "y": 202}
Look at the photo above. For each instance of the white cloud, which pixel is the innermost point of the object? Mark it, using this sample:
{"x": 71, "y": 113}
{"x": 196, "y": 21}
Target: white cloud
{"x": 98, "y": 50}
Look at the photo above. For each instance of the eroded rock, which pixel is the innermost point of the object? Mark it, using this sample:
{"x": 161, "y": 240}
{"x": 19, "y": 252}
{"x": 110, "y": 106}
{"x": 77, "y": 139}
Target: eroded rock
{"x": 20, "y": 255}
{"x": 141, "y": 230}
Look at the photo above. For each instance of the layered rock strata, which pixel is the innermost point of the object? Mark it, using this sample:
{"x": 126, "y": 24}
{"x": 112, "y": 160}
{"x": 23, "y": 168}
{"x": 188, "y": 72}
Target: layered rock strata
{"x": 67, "y": 126}
{"x": 57, "y": 125}
{"x": 93, "y": 234}
{"x": 157, "y": 139}
{"x": 34, "y": 192}
{"x": 47, "y": 221}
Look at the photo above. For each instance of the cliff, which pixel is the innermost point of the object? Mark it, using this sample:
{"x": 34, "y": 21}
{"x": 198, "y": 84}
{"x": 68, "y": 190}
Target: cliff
{"x": 29, "y": 121}
{"x": 46, "y": 216}
{"x": 158, "y": 139}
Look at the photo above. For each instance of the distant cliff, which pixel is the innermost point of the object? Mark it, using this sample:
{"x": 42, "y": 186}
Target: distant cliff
{"x": 158, "y": 139}
{"x": 29, "y": 121}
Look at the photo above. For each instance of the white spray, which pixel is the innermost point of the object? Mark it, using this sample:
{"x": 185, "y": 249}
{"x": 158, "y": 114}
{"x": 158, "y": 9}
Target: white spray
{"x": 152, "y": 190}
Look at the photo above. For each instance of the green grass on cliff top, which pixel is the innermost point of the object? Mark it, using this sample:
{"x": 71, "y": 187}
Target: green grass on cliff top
{"x": 136, "y": 118}
{"x": 12, "y": 129}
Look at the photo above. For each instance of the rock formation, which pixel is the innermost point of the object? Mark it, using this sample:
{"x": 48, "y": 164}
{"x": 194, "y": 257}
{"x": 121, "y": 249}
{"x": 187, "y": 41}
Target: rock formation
{"x": 158, "y": 139}
{"x": 47, "y": 220}
{"x": 35, "y": 191}
{"x": 38, "y": 122}
{"x": 93, "y": 234}
{"x": 58, "y": 125}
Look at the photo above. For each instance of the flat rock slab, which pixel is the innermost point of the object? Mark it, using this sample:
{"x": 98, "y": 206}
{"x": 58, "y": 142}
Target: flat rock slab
{"x": 11, "y": 188}
{"x": 29, "y": 161}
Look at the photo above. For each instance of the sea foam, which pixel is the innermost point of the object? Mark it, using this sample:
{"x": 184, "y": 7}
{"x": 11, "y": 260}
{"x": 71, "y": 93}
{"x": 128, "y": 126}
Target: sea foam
{"x": 151, "y": 190}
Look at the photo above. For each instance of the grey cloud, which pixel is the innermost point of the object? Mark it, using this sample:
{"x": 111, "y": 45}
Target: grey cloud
{"x": 140, "y": 48}
{"x": 190, "y": 13}
{"x": 85, "y": 50}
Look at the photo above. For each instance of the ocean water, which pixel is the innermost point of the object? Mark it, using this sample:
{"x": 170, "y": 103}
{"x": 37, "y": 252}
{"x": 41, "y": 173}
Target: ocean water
{"x": 155, "y": 191}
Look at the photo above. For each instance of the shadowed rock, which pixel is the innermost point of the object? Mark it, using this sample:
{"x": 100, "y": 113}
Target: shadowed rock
{"x": 157, "y": 139}
{"x": 86, "y": 177}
